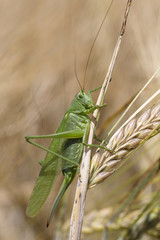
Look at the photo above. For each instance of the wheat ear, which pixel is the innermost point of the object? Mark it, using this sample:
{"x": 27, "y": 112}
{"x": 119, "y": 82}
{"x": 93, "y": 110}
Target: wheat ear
{"x": 95, "y": 221}
{"x": 123, "y": 142}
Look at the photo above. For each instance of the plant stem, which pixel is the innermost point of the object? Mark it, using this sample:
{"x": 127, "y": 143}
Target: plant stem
{"x": 82, "y": 185}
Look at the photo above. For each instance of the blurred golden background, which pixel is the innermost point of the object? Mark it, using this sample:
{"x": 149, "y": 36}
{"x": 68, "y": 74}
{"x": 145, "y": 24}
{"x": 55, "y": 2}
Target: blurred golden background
{"x": 40, "y": 43}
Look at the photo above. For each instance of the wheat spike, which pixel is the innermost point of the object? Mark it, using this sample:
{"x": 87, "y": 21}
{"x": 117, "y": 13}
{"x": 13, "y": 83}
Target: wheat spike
{"x": 148, "y": 222}
{"x": 126, "y": 139}
{"x": 95, "y": 221}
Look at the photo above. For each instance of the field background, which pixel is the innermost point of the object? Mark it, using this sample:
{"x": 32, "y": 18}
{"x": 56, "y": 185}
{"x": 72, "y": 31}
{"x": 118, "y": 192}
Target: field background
{"x": 40, "y": 41}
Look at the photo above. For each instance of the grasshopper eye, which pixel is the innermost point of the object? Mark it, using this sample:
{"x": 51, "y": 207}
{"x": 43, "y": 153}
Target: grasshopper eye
{"x": 80, "y": 96}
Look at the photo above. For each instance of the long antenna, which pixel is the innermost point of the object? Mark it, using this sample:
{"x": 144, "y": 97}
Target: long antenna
{"x": 91, "y": 50}
{"x": 75, "y": 71}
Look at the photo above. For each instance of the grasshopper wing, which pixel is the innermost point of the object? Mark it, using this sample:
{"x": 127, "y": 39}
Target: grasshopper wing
{"x": 43, "y": 185}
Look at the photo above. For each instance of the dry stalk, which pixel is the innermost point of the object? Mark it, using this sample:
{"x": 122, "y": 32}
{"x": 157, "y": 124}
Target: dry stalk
{"x": 82, "y": 185}
{"x": 123, "y": 142}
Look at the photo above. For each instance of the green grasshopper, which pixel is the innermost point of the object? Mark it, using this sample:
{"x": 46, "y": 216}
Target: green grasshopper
{"x": 67, "y": 145}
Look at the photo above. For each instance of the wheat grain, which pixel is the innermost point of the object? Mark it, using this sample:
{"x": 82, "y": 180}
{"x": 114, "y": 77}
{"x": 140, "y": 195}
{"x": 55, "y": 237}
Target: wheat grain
{"x": 125, "y": 140}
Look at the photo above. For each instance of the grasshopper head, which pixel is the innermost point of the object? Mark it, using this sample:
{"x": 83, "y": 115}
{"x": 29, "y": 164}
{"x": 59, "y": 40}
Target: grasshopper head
{"x": 85, "y": 99}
